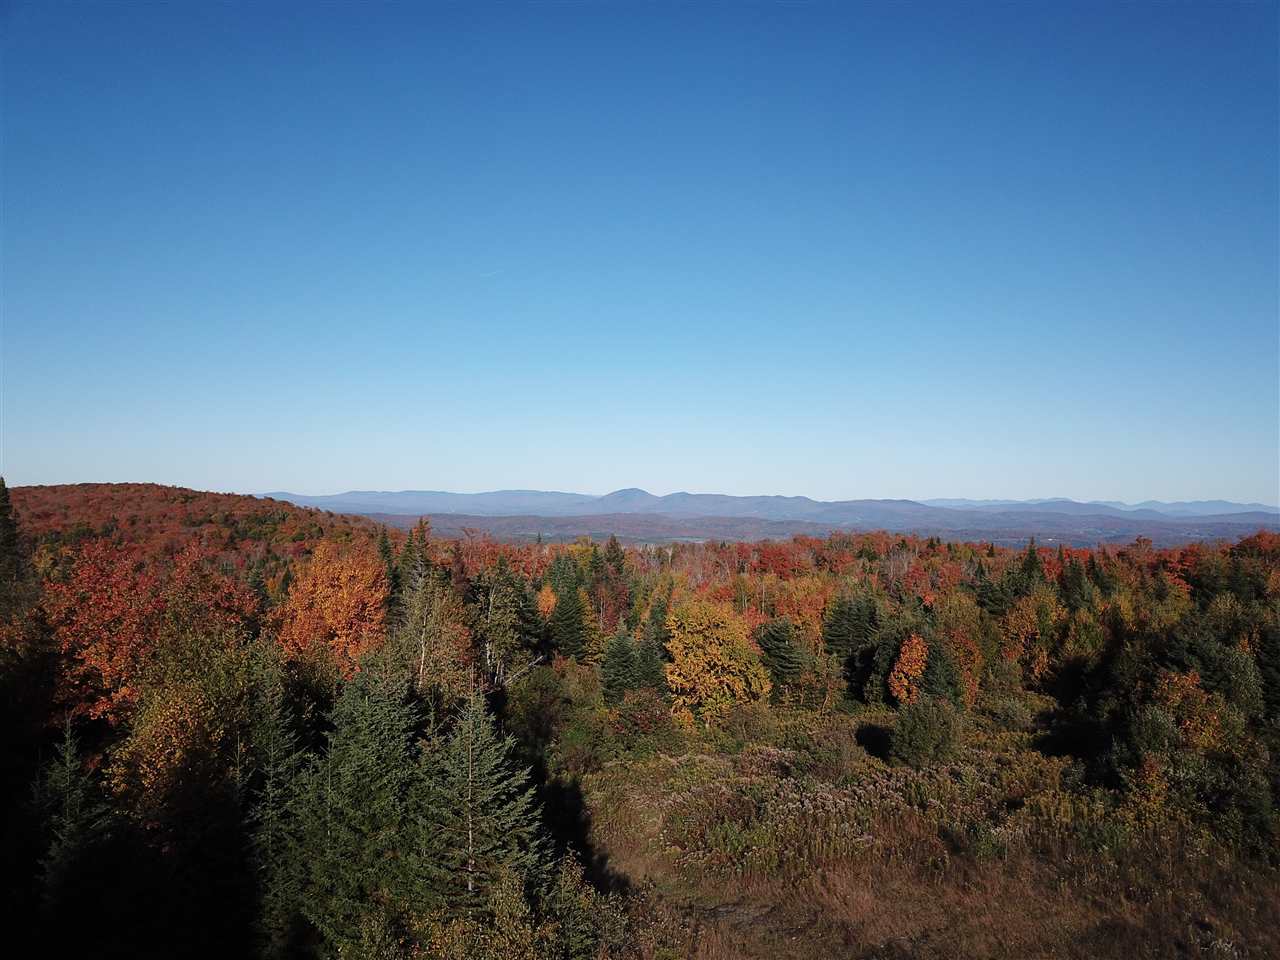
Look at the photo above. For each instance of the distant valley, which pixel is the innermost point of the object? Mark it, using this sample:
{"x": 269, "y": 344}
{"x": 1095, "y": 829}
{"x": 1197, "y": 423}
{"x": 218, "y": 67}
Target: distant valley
{"x": 635, "y": 515}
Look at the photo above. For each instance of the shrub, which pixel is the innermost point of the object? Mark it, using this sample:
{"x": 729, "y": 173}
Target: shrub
{"x": 643, "y": 724}
{"x": 585, "y": 744}
{"x": 926, "y": 731}
{"x": 828, "y": 751}
{"x": 750, "y": 722}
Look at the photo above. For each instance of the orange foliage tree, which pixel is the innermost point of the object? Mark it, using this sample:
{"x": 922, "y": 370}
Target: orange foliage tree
{"x": 105, "y": 618}
{"x": 904, "y": 679}
{"x": 337, "y": 605}
{"x": 1197, "y": 712}
{"x": 546, "y": 601}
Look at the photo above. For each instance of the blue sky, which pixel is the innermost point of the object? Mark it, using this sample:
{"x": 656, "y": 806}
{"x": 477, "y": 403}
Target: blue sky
{"x": 837, "y": 250}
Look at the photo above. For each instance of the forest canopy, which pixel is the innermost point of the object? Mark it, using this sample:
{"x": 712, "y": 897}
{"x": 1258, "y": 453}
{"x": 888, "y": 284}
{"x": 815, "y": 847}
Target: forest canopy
{"x": 238, "y": 727}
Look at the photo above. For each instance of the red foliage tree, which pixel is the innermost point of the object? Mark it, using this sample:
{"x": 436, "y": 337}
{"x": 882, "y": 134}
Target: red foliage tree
{"x": 116, "y": 607}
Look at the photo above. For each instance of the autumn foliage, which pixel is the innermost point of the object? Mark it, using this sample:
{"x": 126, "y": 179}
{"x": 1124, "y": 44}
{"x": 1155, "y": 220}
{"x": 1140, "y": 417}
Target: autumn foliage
{"x": 904, "y": 680}
{"x": 117, "y": 606}
{"x": 336, "y": 606}
{"x": 810, "y": 717}
{"x": 713, "y": 661}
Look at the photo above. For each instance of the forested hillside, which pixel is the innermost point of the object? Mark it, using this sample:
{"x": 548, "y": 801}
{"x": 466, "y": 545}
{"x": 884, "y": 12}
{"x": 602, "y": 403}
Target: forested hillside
{"x": 235, "y": 727}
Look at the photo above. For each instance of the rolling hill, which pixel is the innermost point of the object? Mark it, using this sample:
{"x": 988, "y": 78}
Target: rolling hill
{"x": 639, "y": 516}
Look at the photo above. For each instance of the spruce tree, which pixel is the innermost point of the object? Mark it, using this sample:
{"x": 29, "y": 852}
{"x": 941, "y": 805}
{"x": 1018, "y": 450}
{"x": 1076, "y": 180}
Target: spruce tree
{"x": 508, "y": 619}
{"x": 779, "y": 652}
{"x": 582, "y": 919}
{"x": 1032, "y": 569}
{"x": 655, "y": 628}
{"x": 75, "y": 817}
{"x": 941, "y": 676}
{"x": 257, "y": 583}
{"x": 1268, "y": 657}
{"x": 278, "y": 760}
{"x": 414, "y": 561}
{"x": 593, "y": 638}
{"x": 847, "y": 633}
{"x": 563, "y": 576}
{"x": 649, "y": 667}
{"x": 388, "y": 557}
{"x": 481, "y": 816}
{"x": 353, "y": 824}
{"x": 1076, "y": 589}
{"x": 614, "y": 557}
{"x": 567, "y": 625}
{"x": 618, "y": 670}
{"x": 406, "y": 562}
{"x": 839, "y": 628}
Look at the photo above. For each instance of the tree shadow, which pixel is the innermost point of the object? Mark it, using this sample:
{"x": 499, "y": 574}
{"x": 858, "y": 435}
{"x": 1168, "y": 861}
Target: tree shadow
{"x": 569, "y": 822}
{"x": 875, "y": 738}
{"x": 565, "y": 814}
{"x": 122, "y": 896}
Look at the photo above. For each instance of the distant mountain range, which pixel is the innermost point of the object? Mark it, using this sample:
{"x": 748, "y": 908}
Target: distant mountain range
{"x": 1179, "y": 508}
{"x": 637, "y": 515}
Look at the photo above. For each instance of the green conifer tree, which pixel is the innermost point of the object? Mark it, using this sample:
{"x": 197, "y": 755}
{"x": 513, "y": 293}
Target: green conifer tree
{"x": 614, "y": 557}
{"x": 508, "y": 622}
{"x": 649, "y": 663}
{"x": 567, "y": 625}
{"x": 779, "y": 652}
{"x": 354, "y": 832}
{"x": 618, "y": 670}
{"x": 563, "y": 575}
{"x": 257, "y": 582}
{"x": 278, "y": 760}
{"x": 480, "y": 816}
{"x": 387, "y": 554}
{"x": 75, "y": 815}
{"x": 583, "y": 920}
{"x": 1076, "y": 589}
{"x": 1032, "y": 569}
{"x": 655, "y": 628}
{"x": 847, "y": 634}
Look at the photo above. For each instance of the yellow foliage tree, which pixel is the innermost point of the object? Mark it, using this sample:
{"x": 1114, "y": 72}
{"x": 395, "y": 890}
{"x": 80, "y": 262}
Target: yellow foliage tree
{"x": 958, "y": 622}
{"x": 1029, "y": 628}
{"x": 713, "y": 662}
{"x": 1198, "y": 713}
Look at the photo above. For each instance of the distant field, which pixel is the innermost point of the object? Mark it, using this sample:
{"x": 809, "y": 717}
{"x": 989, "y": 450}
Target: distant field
{"x": 1006, "y": 530}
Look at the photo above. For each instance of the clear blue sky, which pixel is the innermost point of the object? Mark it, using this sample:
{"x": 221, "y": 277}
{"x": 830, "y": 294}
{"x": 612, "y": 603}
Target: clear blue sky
{"x": 837, "y": 250}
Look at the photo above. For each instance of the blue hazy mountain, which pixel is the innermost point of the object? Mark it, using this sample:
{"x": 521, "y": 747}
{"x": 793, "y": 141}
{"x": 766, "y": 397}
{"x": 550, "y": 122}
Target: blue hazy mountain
{"x": 1179, "y": 508}
{"x": 640, "y": 516}
{"x": 550, "y": 503}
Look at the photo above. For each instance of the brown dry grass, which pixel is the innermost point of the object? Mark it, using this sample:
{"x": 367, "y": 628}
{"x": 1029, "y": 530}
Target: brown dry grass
{"x": 1021, "y": 907}
{"x": 912, "y": 895}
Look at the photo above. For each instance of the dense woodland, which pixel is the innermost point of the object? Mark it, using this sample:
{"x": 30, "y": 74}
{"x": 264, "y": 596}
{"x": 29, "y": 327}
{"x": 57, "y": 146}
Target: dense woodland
{"x": 240, "y": 728}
